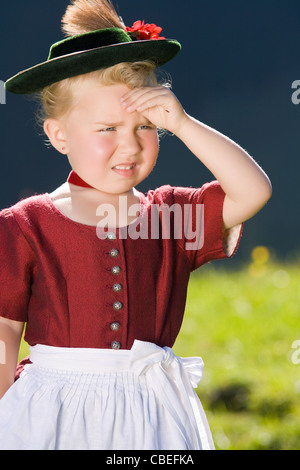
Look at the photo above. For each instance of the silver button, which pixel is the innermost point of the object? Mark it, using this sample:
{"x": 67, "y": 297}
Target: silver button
{"x": 118, "y": 305}
{"x": 115, "y": 326}
{"x": 116, "y": 270}
{"x": 111, "y": 235}
{"x": 114, "y": 253}
{"x": 115, "y": 345}
{"x": 117, "y": 287}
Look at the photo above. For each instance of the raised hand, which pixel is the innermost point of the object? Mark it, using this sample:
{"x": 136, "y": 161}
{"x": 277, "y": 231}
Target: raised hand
{"x": 158, "y": 104}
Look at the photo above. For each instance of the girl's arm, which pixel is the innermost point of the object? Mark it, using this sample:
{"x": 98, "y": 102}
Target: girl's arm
{"x": 246, "y": 186}
{"x": 10, "y": 338}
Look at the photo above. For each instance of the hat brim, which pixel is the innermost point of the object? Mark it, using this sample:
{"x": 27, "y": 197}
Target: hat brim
{"x": 42, "y": 75}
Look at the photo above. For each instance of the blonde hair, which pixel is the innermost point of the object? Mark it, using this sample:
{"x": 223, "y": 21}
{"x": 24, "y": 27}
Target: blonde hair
{"x": 57, "y": 100}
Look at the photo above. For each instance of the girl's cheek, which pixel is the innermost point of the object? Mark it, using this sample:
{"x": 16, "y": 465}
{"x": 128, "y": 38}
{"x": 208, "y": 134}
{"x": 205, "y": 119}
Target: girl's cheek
{"x": 152, "y": 143}
{"x": 99, "y": 148}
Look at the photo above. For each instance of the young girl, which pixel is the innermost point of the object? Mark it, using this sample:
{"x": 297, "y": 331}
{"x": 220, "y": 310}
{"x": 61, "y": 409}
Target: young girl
{"x": 97, "y": 270}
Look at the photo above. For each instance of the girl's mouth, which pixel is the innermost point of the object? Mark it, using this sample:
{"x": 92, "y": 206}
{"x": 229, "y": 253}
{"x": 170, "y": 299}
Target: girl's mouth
{"x": 125, "y": 169}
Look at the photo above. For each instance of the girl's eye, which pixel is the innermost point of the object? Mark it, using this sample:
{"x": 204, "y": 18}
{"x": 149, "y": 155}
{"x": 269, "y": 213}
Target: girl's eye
{"x": 145, "y": 127}
{"x": 108, "y": 129}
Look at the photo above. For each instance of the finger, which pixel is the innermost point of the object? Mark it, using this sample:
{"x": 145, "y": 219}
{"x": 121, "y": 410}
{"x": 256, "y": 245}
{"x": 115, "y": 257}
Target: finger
{"x": 147, "y": 99}
{"x": 137, "y": 96}
{"x": 152, "y": 102}
{"x": 139, "y": 91}
{"x": 131, "y": 96}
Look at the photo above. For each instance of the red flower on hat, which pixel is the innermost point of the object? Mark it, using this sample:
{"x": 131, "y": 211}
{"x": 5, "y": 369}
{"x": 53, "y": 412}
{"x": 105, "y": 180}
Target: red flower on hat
{"x": 141, "y": 31}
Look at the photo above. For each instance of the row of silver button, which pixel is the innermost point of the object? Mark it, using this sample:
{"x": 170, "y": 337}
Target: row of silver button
{"x": 115, "y": 326}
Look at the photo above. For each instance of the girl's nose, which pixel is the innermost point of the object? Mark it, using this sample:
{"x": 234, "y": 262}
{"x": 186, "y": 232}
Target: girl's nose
{"x": 129, "y": 143}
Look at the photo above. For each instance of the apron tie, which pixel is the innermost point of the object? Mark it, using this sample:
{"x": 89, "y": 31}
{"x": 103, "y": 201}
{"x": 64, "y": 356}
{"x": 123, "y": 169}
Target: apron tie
{"x": 173, "y": 379}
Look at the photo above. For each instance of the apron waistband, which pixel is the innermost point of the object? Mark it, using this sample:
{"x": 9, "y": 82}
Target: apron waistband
{"x": 87, "y": 360}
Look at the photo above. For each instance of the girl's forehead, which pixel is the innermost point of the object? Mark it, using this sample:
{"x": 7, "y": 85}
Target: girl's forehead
{"x": 90, "y": 95}
{"x": 99, "y": 104}
{"x": 92, "y": 88}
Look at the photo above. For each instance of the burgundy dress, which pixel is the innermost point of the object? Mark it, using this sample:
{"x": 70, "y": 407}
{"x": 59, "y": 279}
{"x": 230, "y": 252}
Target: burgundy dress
{"x": 85, "y": 293}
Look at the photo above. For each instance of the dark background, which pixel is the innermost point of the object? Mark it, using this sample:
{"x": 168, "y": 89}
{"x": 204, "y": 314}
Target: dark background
{"x": 234, "y": 73}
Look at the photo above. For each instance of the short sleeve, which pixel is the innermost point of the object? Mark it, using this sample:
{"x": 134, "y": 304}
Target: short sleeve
{"x": 204, "y": 239}
{"x": 16, "y": 266}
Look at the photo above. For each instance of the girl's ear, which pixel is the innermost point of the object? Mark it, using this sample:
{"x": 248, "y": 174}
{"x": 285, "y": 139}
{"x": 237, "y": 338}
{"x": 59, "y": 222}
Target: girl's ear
{"x": 54, "y": 130}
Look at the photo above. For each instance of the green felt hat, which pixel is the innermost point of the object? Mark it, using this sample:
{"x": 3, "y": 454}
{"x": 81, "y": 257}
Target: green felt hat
{"x": 88, "y": 52}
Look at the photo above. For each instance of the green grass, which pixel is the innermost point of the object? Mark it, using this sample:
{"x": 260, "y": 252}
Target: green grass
{"x": 243, "y": 324}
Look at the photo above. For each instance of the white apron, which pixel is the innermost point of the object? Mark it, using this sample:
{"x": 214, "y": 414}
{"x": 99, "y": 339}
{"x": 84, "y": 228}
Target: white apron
{"x": 91, "y": 399}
